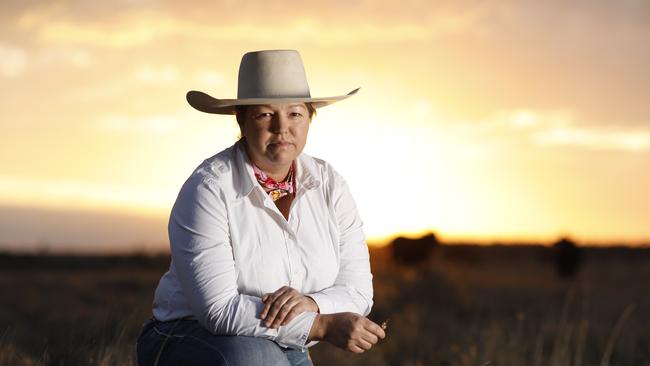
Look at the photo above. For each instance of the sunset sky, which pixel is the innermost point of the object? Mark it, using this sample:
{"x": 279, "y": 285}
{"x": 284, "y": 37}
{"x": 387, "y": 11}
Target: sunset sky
{"x": 480, "y": 120}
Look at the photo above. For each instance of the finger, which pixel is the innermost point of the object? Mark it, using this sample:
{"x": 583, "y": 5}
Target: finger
{"x": 278, "y": 303}
{"x": 370, "y": 337}
{"x": 364, "y": 344}
{"x": 265, "y": 309}
{"x": 356, "y": 349}
{"x": 287, "y": 296}
{"x": 295, "y": 311}
{"x": 265, "y": 298}
{"x": 267, "y": 305}
{"x": 270, "y": 299}
{"x": 286, "y": 309}
{"x": 375, "y": 329}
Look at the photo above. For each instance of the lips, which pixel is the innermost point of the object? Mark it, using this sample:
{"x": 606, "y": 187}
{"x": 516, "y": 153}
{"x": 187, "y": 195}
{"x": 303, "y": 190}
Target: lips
{"x": 280, "y": 143}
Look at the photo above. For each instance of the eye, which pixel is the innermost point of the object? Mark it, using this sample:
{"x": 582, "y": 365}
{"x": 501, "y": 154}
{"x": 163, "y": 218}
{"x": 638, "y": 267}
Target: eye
{"x": 264, "y": 115}
{"x": 295, "y": 114}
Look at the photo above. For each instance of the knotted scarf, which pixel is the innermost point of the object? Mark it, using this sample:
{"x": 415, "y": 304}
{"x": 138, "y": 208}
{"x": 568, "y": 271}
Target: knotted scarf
{"x": 275, "y": 189}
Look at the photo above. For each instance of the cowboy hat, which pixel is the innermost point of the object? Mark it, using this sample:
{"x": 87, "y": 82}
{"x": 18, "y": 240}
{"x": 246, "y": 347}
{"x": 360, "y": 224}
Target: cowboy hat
{"x": 265, "y": 77}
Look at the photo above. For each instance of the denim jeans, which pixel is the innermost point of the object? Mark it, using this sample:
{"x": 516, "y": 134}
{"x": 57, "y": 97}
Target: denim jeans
{"x": 186, "y": 342}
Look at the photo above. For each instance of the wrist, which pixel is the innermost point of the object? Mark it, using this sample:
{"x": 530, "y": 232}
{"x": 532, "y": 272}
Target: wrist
{"x": 314, "y": 304}
{"x": 319, "y": 327}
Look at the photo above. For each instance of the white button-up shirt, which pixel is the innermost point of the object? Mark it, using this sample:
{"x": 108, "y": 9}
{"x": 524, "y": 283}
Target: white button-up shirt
{"x": 230, "y": 245}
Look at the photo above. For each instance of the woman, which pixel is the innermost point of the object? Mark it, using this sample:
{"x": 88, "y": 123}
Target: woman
{"x": 268, "y": 251}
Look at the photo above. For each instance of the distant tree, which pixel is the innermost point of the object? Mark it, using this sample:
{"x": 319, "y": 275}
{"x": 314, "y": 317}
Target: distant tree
{"x": 413, "y": 251}
{"x": 567, "y": 256}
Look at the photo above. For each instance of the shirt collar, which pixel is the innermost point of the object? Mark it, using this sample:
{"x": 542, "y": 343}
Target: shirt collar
{"x": 306, "y": 177}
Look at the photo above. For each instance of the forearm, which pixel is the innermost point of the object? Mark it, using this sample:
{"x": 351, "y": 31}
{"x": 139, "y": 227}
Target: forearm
{"x": 317, "y": 331}
{"x": 352, "y": 290}
{"x": 343, "y": 298}
{"x": 237, "y": 315}
{"x": 241, "y": 316}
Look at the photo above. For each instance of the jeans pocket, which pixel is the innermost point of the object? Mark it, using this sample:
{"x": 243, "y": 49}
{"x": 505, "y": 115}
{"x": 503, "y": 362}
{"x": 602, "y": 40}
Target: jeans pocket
{"x": 146, "y": 344}
{"x": 153, "y": 340}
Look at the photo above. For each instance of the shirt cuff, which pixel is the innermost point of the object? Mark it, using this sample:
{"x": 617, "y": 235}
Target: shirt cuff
{"x": 325, "y": 305}
{"x": 294, "y": 335}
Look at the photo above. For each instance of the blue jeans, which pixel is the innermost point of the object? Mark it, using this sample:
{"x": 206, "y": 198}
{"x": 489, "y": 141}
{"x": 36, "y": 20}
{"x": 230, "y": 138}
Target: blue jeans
{"x": 186, "y": 342}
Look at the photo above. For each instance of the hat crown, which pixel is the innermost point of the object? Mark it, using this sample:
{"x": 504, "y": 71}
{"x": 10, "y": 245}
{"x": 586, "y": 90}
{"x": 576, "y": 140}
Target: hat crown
{"x": 272, "y": 74}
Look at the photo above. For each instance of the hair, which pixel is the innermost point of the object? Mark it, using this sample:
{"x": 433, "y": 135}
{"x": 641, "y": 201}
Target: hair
{"x": 240, "y": 112}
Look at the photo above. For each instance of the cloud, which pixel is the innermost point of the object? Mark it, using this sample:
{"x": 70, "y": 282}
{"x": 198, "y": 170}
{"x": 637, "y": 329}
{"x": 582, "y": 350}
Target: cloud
{"x": 562, "y": 128}
{"x": 13, "y": 61}
{"x": 209, "y": 79}
{"x": 595, "y": 138}
{"x": 75, "y": 193}
{"x": 326, "y": 22}
{"x": 156, "y": 124}
{"x": 75, "y": 57}
{"x": 57, "y": 230}
{"x": 524, "y": 118}
{"x": 147, "y": 31}
{"x": 141, "y": 27}
{"x": 157, "y": 75}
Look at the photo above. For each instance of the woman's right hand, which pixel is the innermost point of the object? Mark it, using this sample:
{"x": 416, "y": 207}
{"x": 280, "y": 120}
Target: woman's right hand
{"x": 350, "y": 331}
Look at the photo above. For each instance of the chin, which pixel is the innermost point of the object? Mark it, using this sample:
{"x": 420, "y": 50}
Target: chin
{"x": 283, "y": 158}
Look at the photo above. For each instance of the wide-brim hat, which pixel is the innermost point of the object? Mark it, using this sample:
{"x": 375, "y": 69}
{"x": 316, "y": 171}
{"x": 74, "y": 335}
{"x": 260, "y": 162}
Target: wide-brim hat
{"x": 265, "y": 77}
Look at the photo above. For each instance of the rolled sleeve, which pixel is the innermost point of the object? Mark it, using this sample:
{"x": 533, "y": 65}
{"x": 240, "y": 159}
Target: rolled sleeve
{"x": 296, "y": 333}
{"x": 324, "y": 302}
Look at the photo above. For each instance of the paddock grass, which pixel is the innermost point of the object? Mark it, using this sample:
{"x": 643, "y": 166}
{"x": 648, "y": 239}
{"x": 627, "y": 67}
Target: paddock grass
{"x": 466, "y": 305}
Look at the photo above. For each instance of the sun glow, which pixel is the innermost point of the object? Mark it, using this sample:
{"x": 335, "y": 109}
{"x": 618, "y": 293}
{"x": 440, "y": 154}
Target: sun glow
{"x": 455, "y": 129}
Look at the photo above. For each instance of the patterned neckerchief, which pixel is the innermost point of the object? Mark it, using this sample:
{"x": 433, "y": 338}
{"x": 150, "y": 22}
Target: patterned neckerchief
{"x": 275, "y": 189}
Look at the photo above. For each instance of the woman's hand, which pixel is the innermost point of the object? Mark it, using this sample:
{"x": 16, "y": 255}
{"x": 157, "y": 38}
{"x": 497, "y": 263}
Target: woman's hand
{"x": 350, "y": 331}
{"x": 285, "y": 304}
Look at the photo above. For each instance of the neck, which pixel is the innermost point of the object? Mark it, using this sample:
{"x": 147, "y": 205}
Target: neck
{"x": 277, "y": 172}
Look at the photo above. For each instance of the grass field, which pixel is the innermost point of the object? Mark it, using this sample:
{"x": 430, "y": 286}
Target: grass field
{"x": 466, "y": 305}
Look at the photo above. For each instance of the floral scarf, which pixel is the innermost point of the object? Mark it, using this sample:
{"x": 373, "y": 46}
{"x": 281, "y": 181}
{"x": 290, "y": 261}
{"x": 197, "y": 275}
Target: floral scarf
{"x": 275, "y": 189}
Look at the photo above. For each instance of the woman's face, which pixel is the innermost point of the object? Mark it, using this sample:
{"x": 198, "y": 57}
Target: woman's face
{"x": 275, "y": 133}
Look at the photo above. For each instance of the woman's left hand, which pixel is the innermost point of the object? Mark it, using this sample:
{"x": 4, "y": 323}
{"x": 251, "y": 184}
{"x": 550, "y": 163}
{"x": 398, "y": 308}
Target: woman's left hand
{"x": 285, "y": 304}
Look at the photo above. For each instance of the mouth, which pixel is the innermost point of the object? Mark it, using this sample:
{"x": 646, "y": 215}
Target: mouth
{"x": 280, "y": 144}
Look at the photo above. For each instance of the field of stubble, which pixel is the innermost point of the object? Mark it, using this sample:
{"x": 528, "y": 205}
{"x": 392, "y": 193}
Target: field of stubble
{"x": 467, "y": 305}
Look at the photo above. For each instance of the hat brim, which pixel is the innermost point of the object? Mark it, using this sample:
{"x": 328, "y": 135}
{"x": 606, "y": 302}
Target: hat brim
{"x": 206, "y": 103}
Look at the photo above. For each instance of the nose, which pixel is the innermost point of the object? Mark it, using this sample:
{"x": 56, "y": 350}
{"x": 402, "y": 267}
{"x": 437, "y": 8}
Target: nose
{"x": 280, "y": 124}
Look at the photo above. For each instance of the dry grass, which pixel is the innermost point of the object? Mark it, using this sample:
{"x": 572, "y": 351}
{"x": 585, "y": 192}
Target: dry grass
{"x": 467, "y": 306}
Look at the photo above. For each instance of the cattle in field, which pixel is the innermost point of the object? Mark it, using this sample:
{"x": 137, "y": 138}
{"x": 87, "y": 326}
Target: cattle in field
{"x": 567, "y": 256}
{"x": 413, "y": 251}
